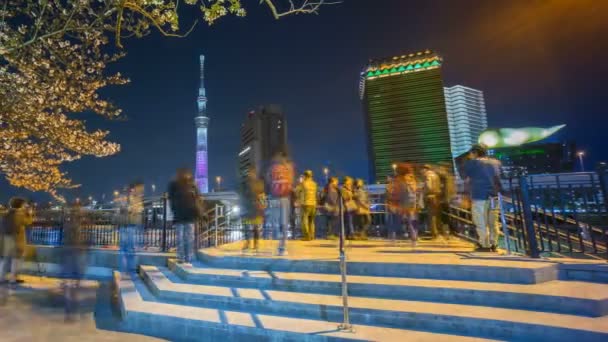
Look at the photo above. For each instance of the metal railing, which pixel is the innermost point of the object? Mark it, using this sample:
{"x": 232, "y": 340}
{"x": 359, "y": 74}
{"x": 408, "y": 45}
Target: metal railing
{"x": 550, "y": 217}
{"x": 102, "y": 228}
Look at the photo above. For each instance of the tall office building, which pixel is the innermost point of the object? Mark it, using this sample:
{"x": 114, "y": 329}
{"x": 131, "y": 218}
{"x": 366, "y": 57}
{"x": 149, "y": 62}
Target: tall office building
{"x": 202, "y": 122}
{"x": 263, "y": 134}
{"x": 405, "y": 113}
{"x": 466, "y": 117}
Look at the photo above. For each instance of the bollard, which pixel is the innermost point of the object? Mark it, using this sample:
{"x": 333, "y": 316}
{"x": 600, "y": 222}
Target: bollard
{"x": 216, "y": 220}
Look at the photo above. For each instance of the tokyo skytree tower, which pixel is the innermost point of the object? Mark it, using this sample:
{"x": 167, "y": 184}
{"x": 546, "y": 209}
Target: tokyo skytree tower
{"x": 202, "y": 122}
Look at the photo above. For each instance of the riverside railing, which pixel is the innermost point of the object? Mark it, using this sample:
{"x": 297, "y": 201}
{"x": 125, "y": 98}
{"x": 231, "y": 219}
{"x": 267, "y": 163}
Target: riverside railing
{"x": 101, "y": 228}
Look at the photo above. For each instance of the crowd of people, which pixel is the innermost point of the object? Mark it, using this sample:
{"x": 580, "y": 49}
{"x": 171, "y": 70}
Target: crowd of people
{"x": 413, "y": 190}
{"x": 410, "y": 190}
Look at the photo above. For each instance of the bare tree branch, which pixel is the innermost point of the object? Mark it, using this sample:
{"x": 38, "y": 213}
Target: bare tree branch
{"x": 306, "y": 7}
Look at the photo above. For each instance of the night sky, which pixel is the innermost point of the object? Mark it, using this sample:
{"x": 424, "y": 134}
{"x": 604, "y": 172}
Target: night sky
{"x": 538, "y": 63}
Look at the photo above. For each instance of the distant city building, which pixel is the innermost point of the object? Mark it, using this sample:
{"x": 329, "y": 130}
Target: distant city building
{"x": 263, "y": 134}
{"x": 466, "y": 117}
{"x": 202, "y": 122}
{"x": 538, "y": 158}
{"x": 405, "y": 112}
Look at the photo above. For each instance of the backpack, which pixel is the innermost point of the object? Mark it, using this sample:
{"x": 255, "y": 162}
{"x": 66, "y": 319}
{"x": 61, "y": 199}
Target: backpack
{"x": 323, "y": 196}
{"x": 406, "y": 193}
{"x": 281, "y": 179}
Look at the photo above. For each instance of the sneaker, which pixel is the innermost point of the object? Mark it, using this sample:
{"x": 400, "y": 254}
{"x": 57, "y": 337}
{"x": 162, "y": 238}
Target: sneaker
{"x": 493, "y": 248}
{"x": 332, "y": 237}
{"x": 483, "y": 249}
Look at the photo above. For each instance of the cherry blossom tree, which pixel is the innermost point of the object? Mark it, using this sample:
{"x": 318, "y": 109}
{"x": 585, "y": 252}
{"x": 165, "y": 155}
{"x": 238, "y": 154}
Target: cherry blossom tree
{"x": 53, "y": 61}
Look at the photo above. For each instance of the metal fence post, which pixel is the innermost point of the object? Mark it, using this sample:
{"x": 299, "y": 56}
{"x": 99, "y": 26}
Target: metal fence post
{"x": 216, "y": 220}
{"x": 346, "y": 323}
{"x": 602, "y": 173}
{"x": 528, "y": 220}
{"x": 164, "y": 233}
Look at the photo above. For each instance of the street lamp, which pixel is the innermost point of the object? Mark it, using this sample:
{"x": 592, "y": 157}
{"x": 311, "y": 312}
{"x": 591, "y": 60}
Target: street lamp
{"x": 153, "y": 188}
{"x": 580, "y": 155}
{"x": 116, "y": 193}
{"x": 394, "y": 168}
{"x": 326, "y": 173}
{"x": 218, "y": 180}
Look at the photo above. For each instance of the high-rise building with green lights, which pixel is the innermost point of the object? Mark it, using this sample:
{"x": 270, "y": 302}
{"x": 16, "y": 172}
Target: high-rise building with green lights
{"x": 405, "y": 113}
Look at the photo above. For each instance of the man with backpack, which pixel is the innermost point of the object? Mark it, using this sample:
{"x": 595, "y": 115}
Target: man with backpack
{"x": 281, "y": 185}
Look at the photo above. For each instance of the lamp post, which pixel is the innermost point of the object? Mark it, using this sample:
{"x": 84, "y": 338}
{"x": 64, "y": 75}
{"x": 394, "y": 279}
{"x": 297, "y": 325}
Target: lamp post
{"x": 580, "y": 155}
{"x": 218, "y": 181}
{"x": 153, "y": 188}
{"x": 394, "y": 169}
{"x": 326, "y": 173}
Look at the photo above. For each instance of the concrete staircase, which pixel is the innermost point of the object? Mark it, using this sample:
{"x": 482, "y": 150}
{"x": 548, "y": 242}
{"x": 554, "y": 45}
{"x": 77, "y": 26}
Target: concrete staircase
{"x": 251, "y": 298}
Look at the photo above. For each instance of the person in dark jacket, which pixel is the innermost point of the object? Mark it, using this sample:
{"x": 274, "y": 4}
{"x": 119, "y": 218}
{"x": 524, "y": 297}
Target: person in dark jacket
{"x": 254, "y": 203}
{"x": 350, "y": 206}
{"x": 15, "y": 222}
{"x": 363, "y": 213}
{"x": 331, "y": 207}
{"x": 187, "y": 206}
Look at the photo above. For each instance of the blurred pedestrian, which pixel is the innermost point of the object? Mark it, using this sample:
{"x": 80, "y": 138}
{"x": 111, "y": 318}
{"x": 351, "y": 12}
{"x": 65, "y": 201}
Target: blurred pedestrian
{"x": 132, "y": 215}
{"x": 432, "y": 202}
{"x": 350, "y": 207}
{"x": 281, "y": 186}
{"x": 482, "y": 180}
{"x": 308, "y": 200}
{"x": 331, "y": 207}
{"x": 254, "y": 204}
{"x": 363, "y": 218}
{"x": 295, "y": 206}
{"x": 448, "y": 193}
{"x": 188, "y": 208}
{"x": 19, "y": 216}
{"x": 74, "y": 259}
{"x": 393, "y": 215}
{"x": 406, "y": 192}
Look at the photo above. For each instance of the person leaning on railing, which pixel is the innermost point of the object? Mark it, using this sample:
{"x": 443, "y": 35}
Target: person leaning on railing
{"x": 482, "y": 180}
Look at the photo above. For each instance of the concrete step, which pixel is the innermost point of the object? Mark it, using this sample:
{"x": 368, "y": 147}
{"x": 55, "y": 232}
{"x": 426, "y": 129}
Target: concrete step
{"x": 569, "y": 297}
{"x": 143, "y": 314}
{"x": 468, "y": 320}
{"x": 454, "y": 267}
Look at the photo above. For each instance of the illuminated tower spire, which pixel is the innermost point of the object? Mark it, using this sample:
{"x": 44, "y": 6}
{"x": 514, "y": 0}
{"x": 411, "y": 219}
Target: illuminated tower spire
{"x": 202, "y": 122}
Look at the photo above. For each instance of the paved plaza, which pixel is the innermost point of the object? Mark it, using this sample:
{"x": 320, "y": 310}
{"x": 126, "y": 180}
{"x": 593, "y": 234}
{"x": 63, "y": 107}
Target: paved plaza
{"x": 34, "y": 312}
